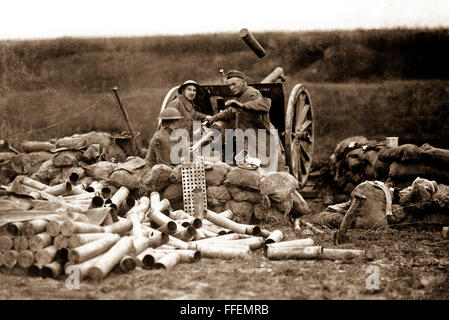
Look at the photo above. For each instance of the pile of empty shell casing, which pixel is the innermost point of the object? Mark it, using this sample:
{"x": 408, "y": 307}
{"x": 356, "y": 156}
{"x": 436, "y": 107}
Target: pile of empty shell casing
{"x": 95, "y": 232}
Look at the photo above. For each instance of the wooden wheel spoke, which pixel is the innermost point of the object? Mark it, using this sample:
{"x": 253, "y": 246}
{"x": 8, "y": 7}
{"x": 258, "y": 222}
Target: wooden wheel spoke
{"x": 303, "y": 115}
{"x": 304, "y": 154}
{"x": 305, "y": 125}
{"x": 301, "y": 99}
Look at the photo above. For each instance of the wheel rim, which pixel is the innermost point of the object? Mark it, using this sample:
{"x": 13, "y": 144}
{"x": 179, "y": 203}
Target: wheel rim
{"x": 299, "y": 134}
{"x": 169, "y": 97}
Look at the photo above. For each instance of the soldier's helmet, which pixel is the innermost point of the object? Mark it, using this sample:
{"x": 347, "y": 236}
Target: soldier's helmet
{"x": 186, "y": 84}
{"x": 170, "y": 114}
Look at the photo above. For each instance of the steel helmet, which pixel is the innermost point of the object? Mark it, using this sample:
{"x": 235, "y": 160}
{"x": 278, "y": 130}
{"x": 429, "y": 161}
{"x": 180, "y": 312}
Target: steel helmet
{"x": 170, "y": 114}
{"x": 187, "y": 83}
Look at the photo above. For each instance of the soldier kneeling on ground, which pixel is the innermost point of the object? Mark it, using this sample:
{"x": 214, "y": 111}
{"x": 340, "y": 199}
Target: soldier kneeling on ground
{"x": 162, "y": 142}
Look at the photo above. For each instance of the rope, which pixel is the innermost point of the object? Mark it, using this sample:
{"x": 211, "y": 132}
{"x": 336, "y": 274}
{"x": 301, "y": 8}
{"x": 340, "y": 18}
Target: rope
{"x": 60, "y": 122}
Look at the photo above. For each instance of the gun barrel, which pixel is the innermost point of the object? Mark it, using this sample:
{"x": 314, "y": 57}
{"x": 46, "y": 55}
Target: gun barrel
{"x": 252, "y": 43}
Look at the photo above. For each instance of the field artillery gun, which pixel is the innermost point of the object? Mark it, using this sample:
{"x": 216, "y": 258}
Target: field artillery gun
{"x": 293, "y": 120}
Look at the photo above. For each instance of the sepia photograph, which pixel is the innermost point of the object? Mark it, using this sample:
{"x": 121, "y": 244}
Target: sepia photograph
{"x": 224, "y": 156}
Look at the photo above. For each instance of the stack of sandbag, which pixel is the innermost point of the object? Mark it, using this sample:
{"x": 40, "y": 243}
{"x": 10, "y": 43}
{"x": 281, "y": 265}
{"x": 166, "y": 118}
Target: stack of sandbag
{"x": 408, "y": 161}
{"x": 13, "y": 164}
{"x": 48, "y": 161}
{"x": 374, "y": 204}
{"x": 354, "y": 160}
{"x": 249, "y": 194}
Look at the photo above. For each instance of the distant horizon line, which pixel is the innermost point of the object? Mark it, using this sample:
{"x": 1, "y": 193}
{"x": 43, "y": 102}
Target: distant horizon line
{"x": 385, "y": 28}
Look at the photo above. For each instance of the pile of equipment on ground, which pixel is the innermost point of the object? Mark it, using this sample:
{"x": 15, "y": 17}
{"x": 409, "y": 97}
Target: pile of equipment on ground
{"x": 52, "y": 230}
{"x": 378, "y": 185}
{"x": 357, "y": 159}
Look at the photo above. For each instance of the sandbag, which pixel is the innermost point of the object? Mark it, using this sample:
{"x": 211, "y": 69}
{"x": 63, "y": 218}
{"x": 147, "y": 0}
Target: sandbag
{"x": 350, "y": 142}
{"x": 242, "y": 210}
{"x": 100, "y": 170}
{"x": 129, "y": 173}
{"x": 407, "y": 171}
{"x": 381, "y": 168}
{"x": 102, "y": 138}
{"x": 74, "y": 142}
{"x": 239, "y": 194}
{"x": 374, "y": 211}
{"x": 269, "y": 214}
{"x": 278, "y": 186}
{"x": 247, "y": 179}
{"x": 29, "y": 163}
{"x": 110, "y": 151}
{"x": 436, "y": 156}
{"x": 441, "y": 196}
{"x": 284, "y": 207}
{"x": 7, "y": 174}
{"x": 217, "y": 174}
{"x": 67, "y": 158}
{"x": 113, "y": 153}
{"x": 398, "y": 214}
{"x": 47, "y": 172}
{"x": 176, "y": 175}
{"x": 157, "y": 179}
{"x": 92, "y": 153}
{"x": 416, "y": 200}
{"x": 403, "y": 153}
{"x": 58, "y": 179}
{"x": 354, "y": 159}
{"x": 131, "y": 180}
{"x": 6, "y": 156}
{"x": 369, "y": 160}
{"x": 370, "y": 157}
{"x": 217, "y": 209}
{"x": 173, "y": 192}
{"x": 217, "y": 195}
{"x": 410, "y": 152}
{"x": 417, "y": 197}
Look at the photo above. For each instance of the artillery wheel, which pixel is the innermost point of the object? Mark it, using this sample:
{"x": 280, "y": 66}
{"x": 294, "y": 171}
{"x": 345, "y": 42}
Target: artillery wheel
{"x": 299, "y": 135}
{"x": 169, "y": 97}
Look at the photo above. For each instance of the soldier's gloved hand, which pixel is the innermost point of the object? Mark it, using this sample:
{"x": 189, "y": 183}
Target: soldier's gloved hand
{"x": 234, "y": 103}
{"x": 209, "y": 119}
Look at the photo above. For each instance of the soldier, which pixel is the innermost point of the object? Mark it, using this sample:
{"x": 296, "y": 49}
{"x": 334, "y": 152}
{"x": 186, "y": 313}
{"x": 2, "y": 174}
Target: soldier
{"x": 185, "y": 105}
{"x": 161, "y": 144}
{"x": 248, "y": 109}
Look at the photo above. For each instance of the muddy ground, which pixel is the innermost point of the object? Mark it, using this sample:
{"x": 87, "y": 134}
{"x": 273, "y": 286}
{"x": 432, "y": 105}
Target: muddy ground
{"x": 413, "y": 263}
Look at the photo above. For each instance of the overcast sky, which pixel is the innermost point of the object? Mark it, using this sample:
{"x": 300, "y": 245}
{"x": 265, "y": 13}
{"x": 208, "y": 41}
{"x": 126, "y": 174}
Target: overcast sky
{"x": 27, "y": 19}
